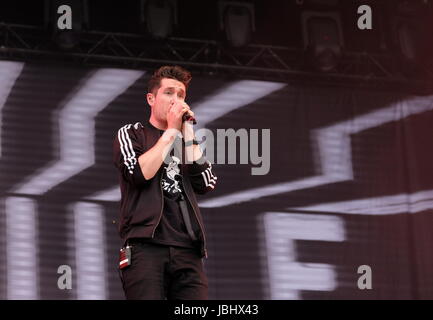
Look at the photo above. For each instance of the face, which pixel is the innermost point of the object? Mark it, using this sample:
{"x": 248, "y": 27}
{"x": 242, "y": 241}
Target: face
{"x": 170, "y": 91}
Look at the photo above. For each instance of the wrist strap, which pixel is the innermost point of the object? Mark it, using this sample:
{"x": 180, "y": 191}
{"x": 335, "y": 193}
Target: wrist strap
{"x": 191, "y": 142}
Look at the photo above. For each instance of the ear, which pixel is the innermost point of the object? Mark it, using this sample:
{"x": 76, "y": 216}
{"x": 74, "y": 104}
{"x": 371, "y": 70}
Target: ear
{"x": 150, "y": 99}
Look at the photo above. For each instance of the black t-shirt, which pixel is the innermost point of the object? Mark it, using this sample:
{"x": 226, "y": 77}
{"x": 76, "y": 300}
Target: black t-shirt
{"x": 171, "y": 229}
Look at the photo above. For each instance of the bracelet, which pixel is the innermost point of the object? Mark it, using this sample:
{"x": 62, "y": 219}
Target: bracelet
{"x": 191, "y": 142}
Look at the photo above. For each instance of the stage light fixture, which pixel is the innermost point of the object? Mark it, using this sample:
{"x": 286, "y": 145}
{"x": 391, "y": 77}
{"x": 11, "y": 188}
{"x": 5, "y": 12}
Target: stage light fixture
{"x": 237, "y": 19}
{"x": 159, "y": 17}
{"x": 323, "y": 39}
{"x": 322, "y": 2}
{"x": 62, "y": 13}
{"x": 405, "y": 33}
{"x": 409, "y": 21}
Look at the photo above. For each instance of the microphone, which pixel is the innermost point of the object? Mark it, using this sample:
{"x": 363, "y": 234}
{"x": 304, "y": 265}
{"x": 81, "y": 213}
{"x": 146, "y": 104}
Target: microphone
{"x": 187, "y": 117}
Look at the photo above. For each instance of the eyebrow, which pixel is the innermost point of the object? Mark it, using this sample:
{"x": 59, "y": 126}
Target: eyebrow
{"x": 174, "y": 88}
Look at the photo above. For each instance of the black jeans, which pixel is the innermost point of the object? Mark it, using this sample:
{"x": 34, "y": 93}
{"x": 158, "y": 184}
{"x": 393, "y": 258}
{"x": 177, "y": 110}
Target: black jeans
{"x": 159, "y": 272}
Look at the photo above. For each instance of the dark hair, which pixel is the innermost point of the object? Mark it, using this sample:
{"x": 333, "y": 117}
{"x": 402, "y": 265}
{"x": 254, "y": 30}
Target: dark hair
{"x": 172, "y": 72}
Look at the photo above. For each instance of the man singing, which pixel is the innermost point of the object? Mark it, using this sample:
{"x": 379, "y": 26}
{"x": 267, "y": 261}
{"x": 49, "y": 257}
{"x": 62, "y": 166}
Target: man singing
{"x": 160, "y": 222}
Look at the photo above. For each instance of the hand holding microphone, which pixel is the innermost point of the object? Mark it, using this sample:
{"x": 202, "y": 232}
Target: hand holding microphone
{"x": 179, "y": 113}
{"x": 188, "y": 114}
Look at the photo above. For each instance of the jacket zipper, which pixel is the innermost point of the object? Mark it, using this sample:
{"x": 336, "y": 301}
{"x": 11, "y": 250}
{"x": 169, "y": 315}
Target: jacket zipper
{"x": 162, "y": 206}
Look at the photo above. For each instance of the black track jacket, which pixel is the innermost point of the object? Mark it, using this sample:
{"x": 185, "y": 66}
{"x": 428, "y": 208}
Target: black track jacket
{"x": 142, "y": 200}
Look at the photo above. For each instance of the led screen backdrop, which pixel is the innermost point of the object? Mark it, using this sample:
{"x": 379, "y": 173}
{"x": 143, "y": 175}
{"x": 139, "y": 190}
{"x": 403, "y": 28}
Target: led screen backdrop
{"x": 350, "y": 183}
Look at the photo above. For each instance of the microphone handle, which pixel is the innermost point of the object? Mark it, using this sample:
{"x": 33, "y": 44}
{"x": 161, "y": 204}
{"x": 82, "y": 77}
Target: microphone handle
{"x": 187, "y": 117}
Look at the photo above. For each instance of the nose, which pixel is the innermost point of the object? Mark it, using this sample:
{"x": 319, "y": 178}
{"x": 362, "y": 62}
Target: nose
{"x": 174, "y": 100}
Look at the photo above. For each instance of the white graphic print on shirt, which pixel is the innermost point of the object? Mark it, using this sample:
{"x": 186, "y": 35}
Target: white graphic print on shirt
{"x": 170, "y": 184}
